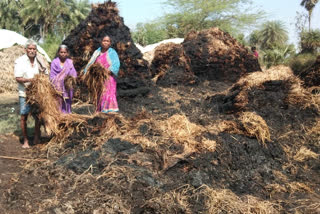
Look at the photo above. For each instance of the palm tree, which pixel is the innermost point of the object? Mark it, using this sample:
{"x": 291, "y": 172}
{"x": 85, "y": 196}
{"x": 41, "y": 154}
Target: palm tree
{"x": 309, "y": 5}
{"x": 310, "y": 41}
{"x": 9, "y": 15}
{"x": 44, "y": 13}
{"x": 272, "y": 33}
{"x": 78, "y": 11}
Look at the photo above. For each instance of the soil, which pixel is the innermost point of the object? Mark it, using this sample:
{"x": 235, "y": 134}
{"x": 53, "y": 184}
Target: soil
{"x": 102, "y": 171}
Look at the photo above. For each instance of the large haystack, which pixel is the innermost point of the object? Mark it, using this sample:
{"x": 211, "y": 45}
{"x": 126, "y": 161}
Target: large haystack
{"x": 311, "y": 76}
{"x": 104, "y": 20}
{"x": 214, "y": 54}
{"x": 8, "y": 82}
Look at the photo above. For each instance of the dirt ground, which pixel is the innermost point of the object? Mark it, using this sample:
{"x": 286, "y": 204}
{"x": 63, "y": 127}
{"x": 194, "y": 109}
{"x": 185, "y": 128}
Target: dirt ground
{"x": 176, "y": 150}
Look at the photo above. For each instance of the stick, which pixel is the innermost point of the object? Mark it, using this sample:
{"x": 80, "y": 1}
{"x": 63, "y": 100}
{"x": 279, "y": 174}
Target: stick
{"x": 17, "y": 158}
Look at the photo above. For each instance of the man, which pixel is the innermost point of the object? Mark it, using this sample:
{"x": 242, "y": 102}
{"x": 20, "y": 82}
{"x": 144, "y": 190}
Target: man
{"x": 25, "y": 68}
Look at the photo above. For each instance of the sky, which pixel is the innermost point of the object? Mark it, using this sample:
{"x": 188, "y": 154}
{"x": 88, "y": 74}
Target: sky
{"x": 135, "y": 11}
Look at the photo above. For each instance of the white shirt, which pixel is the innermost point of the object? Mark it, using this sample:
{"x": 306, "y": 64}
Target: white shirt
{"x": 24, "y": 69}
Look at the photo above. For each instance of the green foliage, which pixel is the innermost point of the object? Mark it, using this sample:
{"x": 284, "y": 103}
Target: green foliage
{"x": 51, "y": 45}
{"x": 277, "y": 55}
{"x": 231, "y": 16}
{"x": 310, "y": 41}
{"x": 301, "y": 62}
{"x": 41, "y": 17}
{"x": 271, "y": 34}
{"x": 9, "y": 15}
{"x": 149, "y": 33}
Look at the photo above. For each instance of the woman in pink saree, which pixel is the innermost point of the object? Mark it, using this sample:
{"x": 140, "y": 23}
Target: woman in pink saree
{"x": 62, "y": 67}
{"x": 108, "y": 58}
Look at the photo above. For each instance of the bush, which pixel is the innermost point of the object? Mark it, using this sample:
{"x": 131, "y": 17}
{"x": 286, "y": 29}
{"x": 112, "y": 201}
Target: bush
{"x": 300, "y": 62}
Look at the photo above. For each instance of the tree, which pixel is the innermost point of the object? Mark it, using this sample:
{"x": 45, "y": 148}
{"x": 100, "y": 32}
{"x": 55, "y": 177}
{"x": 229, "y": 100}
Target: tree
{"x": 277, "y": 55}
{"x": 309, "y": 5}
{"x": 9, "y": 15}
{"x": 78, "y": 11}
{"x": 272, "y": 34}
{"x": 44, "y": 13}
{"x": 310, "y": 41}
{"x": 228, "y": 15}
{"x": 149, "y": 33}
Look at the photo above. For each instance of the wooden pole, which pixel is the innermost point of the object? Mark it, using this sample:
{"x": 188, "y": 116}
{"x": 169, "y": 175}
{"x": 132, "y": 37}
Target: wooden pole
{"x": 17, "y": 158}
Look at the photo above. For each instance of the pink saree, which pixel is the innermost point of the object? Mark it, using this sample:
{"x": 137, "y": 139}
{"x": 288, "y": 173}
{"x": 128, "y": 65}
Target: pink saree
{"x": 108, "y": 100}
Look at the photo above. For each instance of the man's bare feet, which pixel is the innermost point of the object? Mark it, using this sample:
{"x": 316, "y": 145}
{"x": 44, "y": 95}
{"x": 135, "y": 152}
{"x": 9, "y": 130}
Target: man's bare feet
{"x": 25, "y": 144}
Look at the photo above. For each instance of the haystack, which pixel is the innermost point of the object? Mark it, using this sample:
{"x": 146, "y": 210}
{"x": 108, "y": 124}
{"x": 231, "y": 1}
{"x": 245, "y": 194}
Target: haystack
{"x": 214, "y": 54}
{"x": 171, "y": 66}
{"x": 8, "y": 82}
{"x": 104, "y": 20}
{"x": 311, "y": 76}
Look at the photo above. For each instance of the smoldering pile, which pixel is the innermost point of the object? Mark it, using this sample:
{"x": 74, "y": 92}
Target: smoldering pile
{"x": 209, "y": 54}
{"x": 214, "y": 54}
{"x": 104, "y": 20}
{"x": 311, "y": 76}
{"x": 171, "y": 66}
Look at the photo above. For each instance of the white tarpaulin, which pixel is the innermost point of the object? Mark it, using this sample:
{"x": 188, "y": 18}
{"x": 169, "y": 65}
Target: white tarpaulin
{"x": 8, "y": 38}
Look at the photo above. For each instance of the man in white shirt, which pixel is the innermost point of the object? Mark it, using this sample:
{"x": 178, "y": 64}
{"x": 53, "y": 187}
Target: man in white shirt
{"x": 25, "y": 68}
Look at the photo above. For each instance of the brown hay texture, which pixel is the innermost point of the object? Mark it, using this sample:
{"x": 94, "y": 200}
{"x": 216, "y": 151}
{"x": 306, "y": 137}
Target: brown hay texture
{"x": 311, "y": 76}
{"x": 214, "y": 54}
{"x": 8, "y": 82}
{"x": 104, "y": 20}
{"x": 43, "y": 98}
{"x": 171, "y": 66}
{"x": 287, "y": 90}
{"x": 94, "y": 80}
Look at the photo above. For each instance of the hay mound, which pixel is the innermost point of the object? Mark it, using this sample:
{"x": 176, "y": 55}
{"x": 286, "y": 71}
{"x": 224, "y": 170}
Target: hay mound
{"x": 214, "y": 54}
{"x": 170, "y": 65}
{"x": 104, "y": 20}
{"x": 311, "y": 76}
{"x": 278, "y": 85}
{"x": 8, "y": 82}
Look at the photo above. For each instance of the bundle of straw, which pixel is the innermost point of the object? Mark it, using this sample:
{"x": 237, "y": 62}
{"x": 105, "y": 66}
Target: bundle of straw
{"x": 69, "y": 83}
{"x": 43, "y": 99}
{"x": 95, "y": 79}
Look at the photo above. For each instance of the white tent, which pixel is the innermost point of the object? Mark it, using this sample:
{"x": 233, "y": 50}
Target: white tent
{"x": 8, "y": 38}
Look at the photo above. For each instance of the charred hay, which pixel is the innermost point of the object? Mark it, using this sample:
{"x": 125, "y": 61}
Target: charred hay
{"x": 171, "y": 66}
{"x": 104, "y": 20}
{"x": 214, "y": 54}
{"x": 311, "y": 76}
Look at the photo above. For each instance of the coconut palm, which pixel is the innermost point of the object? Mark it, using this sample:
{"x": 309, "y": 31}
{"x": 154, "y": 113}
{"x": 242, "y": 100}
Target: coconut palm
{"x": 78, "y": 11}
{"x": 272, "y": 33}
{"x": 9, "y": 15}
{"x": 309, "y": 5}
{"x": 44, "y": 13}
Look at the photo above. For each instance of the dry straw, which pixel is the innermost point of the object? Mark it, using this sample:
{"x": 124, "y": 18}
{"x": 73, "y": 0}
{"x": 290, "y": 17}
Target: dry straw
{"x": 95, "y": 80}
{"x": 44, "y": 101}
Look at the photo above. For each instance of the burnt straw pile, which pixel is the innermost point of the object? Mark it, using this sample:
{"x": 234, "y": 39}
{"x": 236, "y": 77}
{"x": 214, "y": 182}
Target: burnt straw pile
{"x": 215, "y": 54}
{"x": 311, "y": 76}
{"x": 104, "y": 20}
{"x": 209, "y": 54}
{"x": 249, "y": 147}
